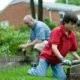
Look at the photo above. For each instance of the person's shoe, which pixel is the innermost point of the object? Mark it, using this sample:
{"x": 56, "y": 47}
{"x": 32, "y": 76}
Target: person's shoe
{"x": 33, "y": 67}
{"x": 30, "y": 71}
{"x": 33, "y": 64}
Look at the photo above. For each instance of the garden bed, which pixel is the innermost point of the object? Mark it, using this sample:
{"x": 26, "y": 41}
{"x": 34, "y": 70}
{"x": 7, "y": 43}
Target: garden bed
{"x": 10, "y": 61}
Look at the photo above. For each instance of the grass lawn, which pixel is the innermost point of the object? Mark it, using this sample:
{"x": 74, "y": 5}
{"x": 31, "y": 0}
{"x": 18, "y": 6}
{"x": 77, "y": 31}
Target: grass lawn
{"x": 20, "y": 73}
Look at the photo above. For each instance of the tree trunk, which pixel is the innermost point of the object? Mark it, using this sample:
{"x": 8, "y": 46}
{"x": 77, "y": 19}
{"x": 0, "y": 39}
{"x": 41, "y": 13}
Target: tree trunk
{"x": 32, "y": 8}
{"x": 40, "y": 10}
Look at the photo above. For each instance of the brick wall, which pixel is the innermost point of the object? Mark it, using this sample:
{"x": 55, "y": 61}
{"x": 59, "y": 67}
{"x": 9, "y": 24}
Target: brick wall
{"x": 55, "y": 16}
{"x": 16, "y": 12}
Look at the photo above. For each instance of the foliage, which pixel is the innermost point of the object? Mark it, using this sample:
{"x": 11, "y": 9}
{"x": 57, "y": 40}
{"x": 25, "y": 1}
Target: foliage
{"x": 50, "y": 23}
{"x": 78, "y": 33}
{"x": 78, "y": 51}
{"x": 76, "y": 2}
{"x": 69, "y": 56}
{"x": 23, "y": 28}
{"x": 61, "y": 1}
{"x": 10, "y": 39}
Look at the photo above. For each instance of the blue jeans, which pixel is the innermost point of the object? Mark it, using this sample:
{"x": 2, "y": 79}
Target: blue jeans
{"x": 41, "y": 69}
{"x": 37, "y": 54}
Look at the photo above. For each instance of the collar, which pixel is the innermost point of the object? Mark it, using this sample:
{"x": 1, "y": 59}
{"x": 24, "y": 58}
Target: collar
{"x": 63, "y": 32}
{"x": 34, "y": 25}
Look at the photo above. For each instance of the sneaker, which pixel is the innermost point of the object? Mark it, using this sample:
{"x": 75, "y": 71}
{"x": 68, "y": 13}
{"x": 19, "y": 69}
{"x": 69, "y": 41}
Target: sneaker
{"x": 33, "y": 64}
{"x": 32, "y": 69}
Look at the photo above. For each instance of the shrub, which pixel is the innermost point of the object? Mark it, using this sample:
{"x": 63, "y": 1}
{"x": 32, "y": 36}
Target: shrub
{"x": 78, "y": 33}
{"x": 10, "y": 39}
{"x": 50, "y": 23}
{"x": 23, "y": 28}
{"x": 78, "y": 51}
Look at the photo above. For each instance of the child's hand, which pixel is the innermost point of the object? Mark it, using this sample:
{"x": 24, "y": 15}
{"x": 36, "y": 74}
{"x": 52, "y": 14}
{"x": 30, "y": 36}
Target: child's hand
{"x": 65, "y": 61}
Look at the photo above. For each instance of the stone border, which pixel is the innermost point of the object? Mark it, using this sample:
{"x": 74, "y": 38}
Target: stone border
{"x": 16, "y": 58}
{"x": 13, "y": 61}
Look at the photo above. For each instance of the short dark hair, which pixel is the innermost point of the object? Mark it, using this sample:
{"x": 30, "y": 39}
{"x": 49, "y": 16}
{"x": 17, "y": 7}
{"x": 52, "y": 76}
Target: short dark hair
{"x": 70, "y": 17}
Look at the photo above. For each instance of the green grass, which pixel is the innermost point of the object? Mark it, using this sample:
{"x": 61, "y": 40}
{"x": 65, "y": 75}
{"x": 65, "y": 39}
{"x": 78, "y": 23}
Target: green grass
{"x": 20, "y": 73}
{"x": 69, "y": 56}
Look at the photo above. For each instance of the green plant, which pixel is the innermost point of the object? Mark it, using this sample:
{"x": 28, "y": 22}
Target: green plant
{"x": 78, "y": 51}
{"x": 23, "y": 28}
{"x": 78, "y": 33}
{"x": 10, "y": 39}
{"x": 50, "y": 23}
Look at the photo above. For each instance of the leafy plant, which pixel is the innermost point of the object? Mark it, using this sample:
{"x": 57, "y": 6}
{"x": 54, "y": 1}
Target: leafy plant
{"x": 78, "y": 33}
{"x": 78, "y": 51}
{"x": 10, "y": 39}
{"x": 23, "y": 28}
{"x": 50, "y": 23}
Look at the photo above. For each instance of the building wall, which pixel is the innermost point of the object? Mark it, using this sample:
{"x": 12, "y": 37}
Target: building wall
{"x": 55, "y": 16}
{"x": 15, "y": 13}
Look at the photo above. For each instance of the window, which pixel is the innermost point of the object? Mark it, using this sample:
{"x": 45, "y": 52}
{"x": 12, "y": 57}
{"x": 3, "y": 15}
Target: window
{"x": 4, "y": 23}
